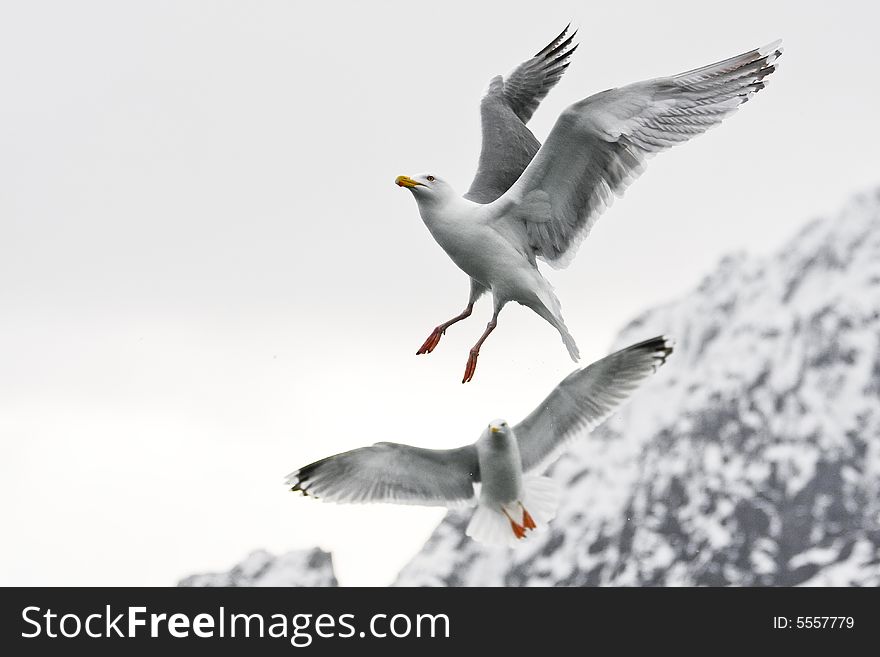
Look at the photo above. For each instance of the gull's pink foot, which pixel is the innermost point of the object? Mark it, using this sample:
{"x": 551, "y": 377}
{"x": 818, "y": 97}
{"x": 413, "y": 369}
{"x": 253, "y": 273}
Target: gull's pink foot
{"x": 471, "y": 366}
{"x": 527, "y": 522}
{"x": 518, "y": 530}
{"x": 432, "y": 341}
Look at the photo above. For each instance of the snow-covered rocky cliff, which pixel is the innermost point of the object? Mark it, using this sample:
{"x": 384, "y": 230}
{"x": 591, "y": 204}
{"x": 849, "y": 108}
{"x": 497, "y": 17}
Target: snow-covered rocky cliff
{"x": 752, "y": 458}
{"x": 260, "y": 568}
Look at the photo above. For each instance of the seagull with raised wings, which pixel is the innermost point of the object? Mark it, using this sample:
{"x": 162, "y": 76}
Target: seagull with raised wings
{"x": 529, "y": 201}
{"x": 502, "y": 472}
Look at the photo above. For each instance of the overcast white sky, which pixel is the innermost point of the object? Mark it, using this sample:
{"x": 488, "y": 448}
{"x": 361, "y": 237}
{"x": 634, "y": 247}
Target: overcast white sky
{"x": 207, "y": 277}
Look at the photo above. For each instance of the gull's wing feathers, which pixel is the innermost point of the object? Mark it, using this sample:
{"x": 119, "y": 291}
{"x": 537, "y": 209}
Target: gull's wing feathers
{"x": 526, "y": 87}
{"x": 508, "y": 145}
{"x": 392, "y": 472}
{"x": 585, "y": 399}
{"x": 600, "y": 144}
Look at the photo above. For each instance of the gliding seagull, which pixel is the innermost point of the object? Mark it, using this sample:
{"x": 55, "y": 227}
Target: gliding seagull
{"x": 505, "y": 463}
{"x": 529, "y": 201}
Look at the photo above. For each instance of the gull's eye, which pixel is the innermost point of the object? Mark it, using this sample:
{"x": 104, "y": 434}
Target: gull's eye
{"x": 430, "y": 178}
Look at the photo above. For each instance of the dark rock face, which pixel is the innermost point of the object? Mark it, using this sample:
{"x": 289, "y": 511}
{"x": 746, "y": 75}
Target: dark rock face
{"x": 753, "y": 458}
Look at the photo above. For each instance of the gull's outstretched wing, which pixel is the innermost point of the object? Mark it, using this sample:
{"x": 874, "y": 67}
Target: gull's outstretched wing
{"x": 585, "y": 399}
{"x": 392, "y": 472}
{"x": 508, "y": 145}
{"x": 600, "y": 144}
{"x": 526, "y": 87}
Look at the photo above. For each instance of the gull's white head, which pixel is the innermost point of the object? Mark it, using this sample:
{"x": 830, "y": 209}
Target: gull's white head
{"x": 427, "y": 188}
{"x": 499, "y": 429}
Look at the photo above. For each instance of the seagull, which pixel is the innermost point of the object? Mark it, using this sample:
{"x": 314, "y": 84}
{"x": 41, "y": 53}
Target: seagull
{"x": 530, "y": 202}
{"x": 501, "y": 472}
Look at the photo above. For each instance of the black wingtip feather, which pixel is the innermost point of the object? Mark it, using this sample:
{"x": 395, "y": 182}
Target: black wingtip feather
{"x": 560, "y": 48}
{"x": 303, "y": 475}
{"x": 558, "y": 71}
{"x": 553, "y": 43}
{"x": 562, "y": 58}
{"x": 661, "y": 345}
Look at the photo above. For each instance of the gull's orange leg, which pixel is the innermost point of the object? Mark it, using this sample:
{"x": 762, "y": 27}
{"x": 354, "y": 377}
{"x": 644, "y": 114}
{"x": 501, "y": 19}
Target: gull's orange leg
{"x": 471, "y": 366}
{"x": 518, "y": 530}
{"x": 434, "y": 339}
{"x": 527, "y": 522}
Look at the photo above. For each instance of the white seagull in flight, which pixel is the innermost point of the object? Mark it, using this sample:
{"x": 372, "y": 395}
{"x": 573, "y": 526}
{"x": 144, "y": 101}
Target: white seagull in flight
{"x": 501, "y": 472}
{"x": 529, "y": 201}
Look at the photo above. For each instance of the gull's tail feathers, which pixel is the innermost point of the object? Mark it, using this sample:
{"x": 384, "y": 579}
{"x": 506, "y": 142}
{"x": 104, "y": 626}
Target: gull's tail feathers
{"x": 490, "y": 526}
{"x": 568, "y": 341}
{"x": 511, "y": 523}
{"x": 548, "y": 307}
{"x": 540, "y": 498}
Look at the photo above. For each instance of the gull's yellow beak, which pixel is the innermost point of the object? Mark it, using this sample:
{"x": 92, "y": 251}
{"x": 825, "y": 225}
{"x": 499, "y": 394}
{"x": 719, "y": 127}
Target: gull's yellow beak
{"x": 406, "y": 181}
{"x": 494, "y": 429}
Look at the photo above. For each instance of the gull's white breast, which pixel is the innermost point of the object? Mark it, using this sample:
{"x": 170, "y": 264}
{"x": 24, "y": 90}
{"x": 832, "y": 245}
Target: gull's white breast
{"x": 501, "y": 479}
{"x": 463, "y": 230}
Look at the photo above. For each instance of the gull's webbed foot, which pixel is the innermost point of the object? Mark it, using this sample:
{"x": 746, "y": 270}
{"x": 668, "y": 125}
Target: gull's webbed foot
{"x": 518, "y": 530}
{"x": 471, "y": 366}
{"x": 528, "y": 522}
{"x": 432, "y": 341}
